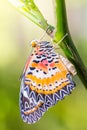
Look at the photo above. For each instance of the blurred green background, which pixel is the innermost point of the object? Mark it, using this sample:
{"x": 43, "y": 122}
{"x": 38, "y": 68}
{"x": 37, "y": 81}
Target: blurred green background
{"x": 16, "y": 32}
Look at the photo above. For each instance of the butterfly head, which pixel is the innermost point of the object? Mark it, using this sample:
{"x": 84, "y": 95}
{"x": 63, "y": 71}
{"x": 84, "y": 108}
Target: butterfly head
{"x": 34, "y": 43}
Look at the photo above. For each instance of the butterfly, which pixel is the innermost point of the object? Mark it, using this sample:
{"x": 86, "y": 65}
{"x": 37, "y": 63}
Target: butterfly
{"x": 46, "y": 79}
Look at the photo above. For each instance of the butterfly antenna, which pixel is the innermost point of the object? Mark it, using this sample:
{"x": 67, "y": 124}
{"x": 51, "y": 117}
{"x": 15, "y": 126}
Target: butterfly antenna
{"x": 42, "y": 36}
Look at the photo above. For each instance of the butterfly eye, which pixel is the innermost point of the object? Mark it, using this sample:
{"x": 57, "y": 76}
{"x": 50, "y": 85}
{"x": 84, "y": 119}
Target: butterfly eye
{"x": 34, "y": 43}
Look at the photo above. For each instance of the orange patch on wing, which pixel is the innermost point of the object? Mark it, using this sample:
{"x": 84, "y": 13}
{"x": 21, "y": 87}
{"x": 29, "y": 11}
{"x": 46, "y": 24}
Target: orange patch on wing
{"x": 39, "y": 66}
{"x": 41, "y": 91}
{"x": 52, "y": 64}
{"x": 61, "y": 66}
{"x": 33, "y": 109}
{"x": 33, "y": 64}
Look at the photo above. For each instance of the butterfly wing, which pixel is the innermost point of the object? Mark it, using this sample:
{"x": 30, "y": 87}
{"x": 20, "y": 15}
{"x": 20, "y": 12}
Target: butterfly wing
{"x": 46, "y": 80}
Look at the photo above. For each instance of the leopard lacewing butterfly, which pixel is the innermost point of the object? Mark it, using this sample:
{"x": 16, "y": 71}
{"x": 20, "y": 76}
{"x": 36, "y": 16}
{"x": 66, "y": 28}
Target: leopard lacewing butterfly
{"x": 46, "y": 79}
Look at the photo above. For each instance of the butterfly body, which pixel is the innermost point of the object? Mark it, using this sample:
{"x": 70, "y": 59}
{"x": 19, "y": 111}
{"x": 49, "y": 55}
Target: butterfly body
{"x": 47, "y": 78}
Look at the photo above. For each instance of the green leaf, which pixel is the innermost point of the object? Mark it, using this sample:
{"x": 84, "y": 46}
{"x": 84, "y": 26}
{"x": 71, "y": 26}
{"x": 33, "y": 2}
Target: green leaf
{"x": 31, "y": 11}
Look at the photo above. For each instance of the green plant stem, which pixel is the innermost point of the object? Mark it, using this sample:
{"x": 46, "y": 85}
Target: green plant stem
{"x": 67, "y": 44}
